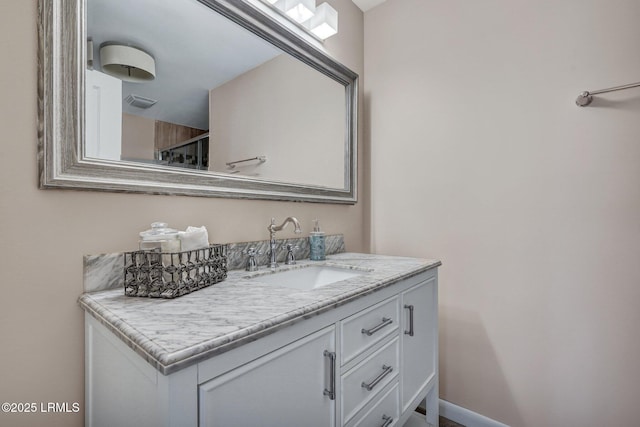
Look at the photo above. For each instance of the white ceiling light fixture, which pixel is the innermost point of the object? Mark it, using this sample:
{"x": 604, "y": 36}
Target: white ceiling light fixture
{"x": 127, "y": 63}
{"x": 324, "y": 22}
{"x": 321, "y": 21}
{"x": 298, "y": 10}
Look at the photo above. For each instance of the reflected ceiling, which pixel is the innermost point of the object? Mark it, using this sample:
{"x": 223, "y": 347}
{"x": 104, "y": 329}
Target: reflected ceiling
{"x": 188, "y": 41}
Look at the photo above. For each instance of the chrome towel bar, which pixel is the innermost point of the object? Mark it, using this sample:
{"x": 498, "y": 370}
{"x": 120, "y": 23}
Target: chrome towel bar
{"x": 261, "y": 159}
{"x": 586, "y": 97}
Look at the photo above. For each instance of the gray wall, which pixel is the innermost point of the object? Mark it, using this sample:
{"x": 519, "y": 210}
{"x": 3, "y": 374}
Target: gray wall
{"x": 481, "y": 158}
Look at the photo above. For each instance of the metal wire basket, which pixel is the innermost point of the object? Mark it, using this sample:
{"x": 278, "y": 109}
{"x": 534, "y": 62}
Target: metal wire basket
{"x": 170, "y": 275}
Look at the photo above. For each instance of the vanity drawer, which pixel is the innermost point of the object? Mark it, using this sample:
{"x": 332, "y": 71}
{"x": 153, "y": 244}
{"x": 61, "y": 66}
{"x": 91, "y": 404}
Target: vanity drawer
{"x": 385, "y": 411}
{"x": 368, "y": 327}
{"x": 363, "y": 383}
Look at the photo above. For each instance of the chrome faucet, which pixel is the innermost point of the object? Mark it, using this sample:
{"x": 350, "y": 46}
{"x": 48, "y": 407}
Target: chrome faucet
{"x": 272, "y": 237}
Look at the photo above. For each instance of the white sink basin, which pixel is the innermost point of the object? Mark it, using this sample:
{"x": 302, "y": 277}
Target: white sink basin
{"x": 307, "y": 278}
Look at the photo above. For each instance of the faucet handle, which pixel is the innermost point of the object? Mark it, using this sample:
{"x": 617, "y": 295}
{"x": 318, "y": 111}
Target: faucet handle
{"x": 291, "y": 256}
{"x": 252, "y": 264}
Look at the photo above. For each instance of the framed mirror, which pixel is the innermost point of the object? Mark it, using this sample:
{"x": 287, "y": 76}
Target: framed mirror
{"x": 217, "y": 98}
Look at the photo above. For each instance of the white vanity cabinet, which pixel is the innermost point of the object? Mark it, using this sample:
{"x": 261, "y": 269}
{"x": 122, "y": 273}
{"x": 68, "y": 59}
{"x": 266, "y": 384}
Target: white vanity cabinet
{"x": 419, "y": 343}
{"x": 366, "y": 362}
{"x": 288, "y": 387}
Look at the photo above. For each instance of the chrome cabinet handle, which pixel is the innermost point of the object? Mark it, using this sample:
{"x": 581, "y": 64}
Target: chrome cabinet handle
{"x": 385, "y": 322}
{"x": 387, "y": 421}
{"x": 410, "y": 331}
{"x": 386, "y": 370}
{"x": 332, "y": 373}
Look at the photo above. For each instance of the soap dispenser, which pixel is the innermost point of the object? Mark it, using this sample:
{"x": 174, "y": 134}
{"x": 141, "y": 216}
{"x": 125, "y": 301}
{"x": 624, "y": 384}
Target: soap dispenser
{"x": 316, "y": 243}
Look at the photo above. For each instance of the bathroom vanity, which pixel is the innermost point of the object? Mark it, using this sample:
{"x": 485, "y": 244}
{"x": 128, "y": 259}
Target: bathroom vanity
{"x": 359, "y": 349}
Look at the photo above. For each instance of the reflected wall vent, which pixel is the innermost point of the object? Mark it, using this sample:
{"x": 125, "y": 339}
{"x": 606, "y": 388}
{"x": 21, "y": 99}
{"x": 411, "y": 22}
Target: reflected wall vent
{"x": 139, "y": 101}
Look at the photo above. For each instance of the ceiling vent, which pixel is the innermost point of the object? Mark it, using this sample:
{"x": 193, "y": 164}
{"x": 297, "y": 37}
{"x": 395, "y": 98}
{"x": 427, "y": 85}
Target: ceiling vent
{"x": 139, "y": 101}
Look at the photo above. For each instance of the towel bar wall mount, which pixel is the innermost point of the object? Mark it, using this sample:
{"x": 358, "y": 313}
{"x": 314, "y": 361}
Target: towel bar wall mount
{"x": 586, "y": 97}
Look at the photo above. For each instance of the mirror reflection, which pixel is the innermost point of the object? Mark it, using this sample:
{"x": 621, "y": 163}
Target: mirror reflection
{"x": 184, "y": 87}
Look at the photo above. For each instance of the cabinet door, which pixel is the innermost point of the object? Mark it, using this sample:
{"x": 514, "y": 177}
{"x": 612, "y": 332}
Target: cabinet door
{"x": 283, "y": 388}
{"x": 419, "y": 339}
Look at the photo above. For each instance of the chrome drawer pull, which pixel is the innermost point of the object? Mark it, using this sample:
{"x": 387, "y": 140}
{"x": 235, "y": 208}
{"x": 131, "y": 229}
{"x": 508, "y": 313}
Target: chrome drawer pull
{"x": 387, "y": 421}
{"x": 386, "y": 370}
{"x": 410, "y": 331}
{"x": 385, "y": 322}
{"x": 332, "y": 373}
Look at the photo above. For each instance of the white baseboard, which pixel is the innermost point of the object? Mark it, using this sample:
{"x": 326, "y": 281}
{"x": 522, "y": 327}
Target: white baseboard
{"x": 466, "y": 417}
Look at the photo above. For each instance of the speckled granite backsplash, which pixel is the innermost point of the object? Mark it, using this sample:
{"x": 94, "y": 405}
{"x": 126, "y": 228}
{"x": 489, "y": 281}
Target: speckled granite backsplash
{"x": 102, "y": 272}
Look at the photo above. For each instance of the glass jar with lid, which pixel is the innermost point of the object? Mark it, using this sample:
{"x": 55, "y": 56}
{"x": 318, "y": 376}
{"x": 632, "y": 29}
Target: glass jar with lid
{"x": 160, "y": 238}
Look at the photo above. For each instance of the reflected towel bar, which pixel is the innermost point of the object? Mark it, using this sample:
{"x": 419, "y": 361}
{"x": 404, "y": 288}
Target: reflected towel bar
{"x": 586, "y": 97}
{"x": 261, "y": 159}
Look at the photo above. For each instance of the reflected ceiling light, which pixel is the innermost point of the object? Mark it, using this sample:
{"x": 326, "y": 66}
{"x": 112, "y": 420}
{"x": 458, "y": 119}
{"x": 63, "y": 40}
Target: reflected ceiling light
{"x": 321, "y": 21}
{"x": 324, "y": 23}
{"x": 127, "y": 63}
{"x": 299, "y": 10}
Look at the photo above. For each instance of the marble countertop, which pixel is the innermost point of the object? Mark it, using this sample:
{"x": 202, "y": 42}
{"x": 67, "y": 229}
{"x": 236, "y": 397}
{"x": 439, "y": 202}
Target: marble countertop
{"x": 176, "y": 333}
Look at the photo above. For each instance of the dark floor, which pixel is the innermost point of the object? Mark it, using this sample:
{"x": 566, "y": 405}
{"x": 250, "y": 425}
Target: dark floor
{"x": 448, "y": 423}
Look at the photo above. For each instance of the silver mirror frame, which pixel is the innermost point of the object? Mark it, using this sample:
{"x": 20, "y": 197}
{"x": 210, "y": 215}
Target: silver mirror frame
{"x": 61, "y": 59}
